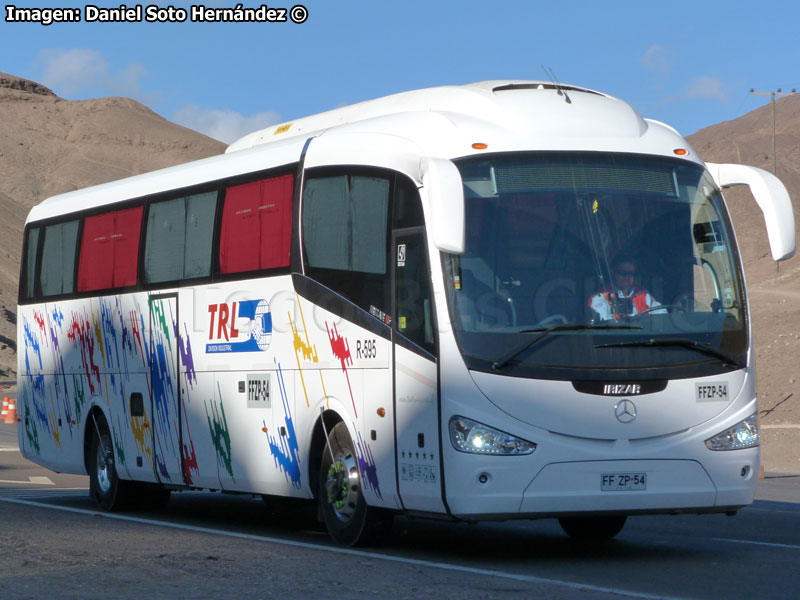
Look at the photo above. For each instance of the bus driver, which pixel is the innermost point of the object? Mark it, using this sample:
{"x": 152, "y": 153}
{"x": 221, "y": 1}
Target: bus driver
{"x": 624, "y": 298}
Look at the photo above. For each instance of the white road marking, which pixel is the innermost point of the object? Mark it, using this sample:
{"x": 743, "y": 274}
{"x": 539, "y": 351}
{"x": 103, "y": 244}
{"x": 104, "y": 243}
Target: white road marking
{"x": 754, "y": 543}
{"x": 40, "y": 494}
{"x": 31, "y": 480}
{"x": 573, "y": 585}
{"x": 773, "y": 510}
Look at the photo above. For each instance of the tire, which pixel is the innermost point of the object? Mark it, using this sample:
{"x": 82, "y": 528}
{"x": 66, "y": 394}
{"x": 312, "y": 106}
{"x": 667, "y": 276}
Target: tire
{"x": 347, "y": 517}
{"x": 592, "y": 528}
{"x": 107, "y": 490}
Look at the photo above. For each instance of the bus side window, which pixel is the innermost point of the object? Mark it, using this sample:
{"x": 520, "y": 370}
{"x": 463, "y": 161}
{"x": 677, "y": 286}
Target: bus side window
{"x": 179, "y": 239}
{"x": 257, "y": 225}
{"x": 413, "y": 298}
{"x": 407, "y": 205}
{"x": 110, "y": 250}
{"x": 27, "y": 282}
{"x": 345, "y": 236}
{"x": 57, "y": 276}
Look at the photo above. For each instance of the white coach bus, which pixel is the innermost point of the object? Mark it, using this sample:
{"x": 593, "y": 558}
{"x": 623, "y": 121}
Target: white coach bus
{"x": 510, "y": 299}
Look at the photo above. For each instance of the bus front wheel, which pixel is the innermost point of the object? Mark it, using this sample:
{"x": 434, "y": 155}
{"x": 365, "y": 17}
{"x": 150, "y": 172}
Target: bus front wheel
{"x": 347, "y": 517}
{"x": 592, "y": 528}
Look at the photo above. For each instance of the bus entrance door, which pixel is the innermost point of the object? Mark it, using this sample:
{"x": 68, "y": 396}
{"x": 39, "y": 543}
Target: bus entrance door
{"x": 164, "y": 356}
{"x": 415, "y": 369}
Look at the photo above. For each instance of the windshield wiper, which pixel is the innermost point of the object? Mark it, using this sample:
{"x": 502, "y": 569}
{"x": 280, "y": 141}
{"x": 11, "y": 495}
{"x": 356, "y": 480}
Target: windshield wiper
{"x": 544, "y": 332}
{"x": 704, "y": 348}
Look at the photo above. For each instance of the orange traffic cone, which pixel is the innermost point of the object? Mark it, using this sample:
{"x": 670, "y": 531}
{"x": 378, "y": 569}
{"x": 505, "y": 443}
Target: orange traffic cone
{"x": 11, "y": 417}
{"x": 4, "y": 414}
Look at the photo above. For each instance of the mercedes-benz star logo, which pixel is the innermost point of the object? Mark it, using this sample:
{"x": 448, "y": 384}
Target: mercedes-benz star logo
{"x": 625, "y": 410}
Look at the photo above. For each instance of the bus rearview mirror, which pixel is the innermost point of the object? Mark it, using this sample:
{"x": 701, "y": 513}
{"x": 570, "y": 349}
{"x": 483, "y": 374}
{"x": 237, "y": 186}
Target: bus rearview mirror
{"x": 771, "y": 196}
{"x": 445, "y": 192}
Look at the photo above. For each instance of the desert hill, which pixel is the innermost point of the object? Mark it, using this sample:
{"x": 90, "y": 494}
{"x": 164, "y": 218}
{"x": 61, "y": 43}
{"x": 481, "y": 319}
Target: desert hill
{"x": 748, "y": 140}
{"x": 49, "y": 145}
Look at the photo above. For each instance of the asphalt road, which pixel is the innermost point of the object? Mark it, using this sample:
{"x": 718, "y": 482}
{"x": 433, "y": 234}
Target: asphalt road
{"x": 54, "y": 543}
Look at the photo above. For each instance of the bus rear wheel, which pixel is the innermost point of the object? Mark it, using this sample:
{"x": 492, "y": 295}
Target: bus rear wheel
{"x": 592, "y": 528}
{"x": 347, "y": 517}
{"x": 107, "y": 490}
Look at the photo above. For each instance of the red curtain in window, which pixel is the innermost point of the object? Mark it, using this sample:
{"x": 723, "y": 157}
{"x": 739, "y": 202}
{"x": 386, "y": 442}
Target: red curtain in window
{"x": 110, "y": 250}
{"x": 257, "y": 225}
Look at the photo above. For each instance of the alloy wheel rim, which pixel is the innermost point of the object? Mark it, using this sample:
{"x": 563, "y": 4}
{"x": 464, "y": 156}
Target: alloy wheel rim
{"x": 104, "y": 465}
{"x": 343, "y": 486}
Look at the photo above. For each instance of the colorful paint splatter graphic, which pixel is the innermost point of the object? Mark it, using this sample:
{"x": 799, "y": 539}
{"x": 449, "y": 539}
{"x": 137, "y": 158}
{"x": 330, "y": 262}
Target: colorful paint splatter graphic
{"x": 118, "y": 446}
{"x": 81, "y": 333}
{"x": 122, "y": 352}
{"x": 33, "y": 394}
{"x": 189, "y": 454}
{"x": 137, "y": 325}
{"x": 220, "y": 434}
{"x": 103, "y": 350}
{"x": 306, "y": 348}
{"x": 140, "y": 428}
{"x": 31, "y": 343}
{"x": 164, "y": 384}
{"x": 60, "y": 379}
{"x": 187, "y": 358}
{"x": 367, "y": 466}
{"x": 341, "y": 350}
{"x": 37, "y": 400}
{"x": 284, "y": 448}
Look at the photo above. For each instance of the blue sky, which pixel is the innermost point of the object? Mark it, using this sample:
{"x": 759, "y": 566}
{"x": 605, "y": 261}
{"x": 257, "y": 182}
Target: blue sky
{"x": 688, "y": 63}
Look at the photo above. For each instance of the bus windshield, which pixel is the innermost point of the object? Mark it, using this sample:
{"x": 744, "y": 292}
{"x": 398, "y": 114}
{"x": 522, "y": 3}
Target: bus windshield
{"x": 595, "y": 266}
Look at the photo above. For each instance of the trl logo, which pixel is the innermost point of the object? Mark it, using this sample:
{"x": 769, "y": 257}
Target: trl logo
{"x": 239, "y": 326}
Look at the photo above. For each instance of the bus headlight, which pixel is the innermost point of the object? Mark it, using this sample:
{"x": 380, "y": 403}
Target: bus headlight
{"x": 741, "y": 435}
{"x": 467, "y": 435}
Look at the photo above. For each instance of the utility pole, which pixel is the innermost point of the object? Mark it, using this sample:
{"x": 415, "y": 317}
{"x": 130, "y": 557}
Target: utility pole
{"x": 772, "y": 95}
